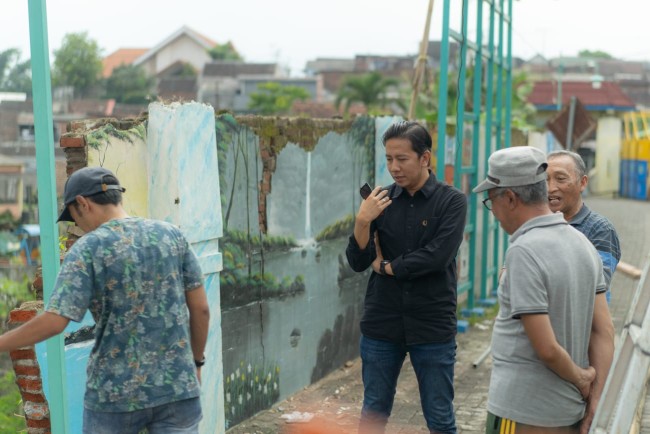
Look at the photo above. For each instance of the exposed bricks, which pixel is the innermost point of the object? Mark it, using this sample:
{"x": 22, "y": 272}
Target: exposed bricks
{"x": 76, "y": 158}
{"x": 72, "y": 141}
{"x": 28, "y": 374}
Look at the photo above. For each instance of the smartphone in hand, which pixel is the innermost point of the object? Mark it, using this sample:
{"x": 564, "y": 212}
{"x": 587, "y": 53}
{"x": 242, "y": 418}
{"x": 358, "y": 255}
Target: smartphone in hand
{"x": 365, "y": 191}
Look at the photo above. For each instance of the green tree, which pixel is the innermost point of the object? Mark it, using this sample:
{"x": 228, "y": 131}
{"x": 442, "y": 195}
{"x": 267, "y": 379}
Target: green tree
{"x": 77, "y": 63}
{"x": 595, "y": 54}
{"x": 15, "y": 75}
{"x": 370, "y": 89}
{"x": 274, "y": 98}
{"x": 129, "y": 84}
{"x": 11, "y": 418}
{"x": 224, "y": 52}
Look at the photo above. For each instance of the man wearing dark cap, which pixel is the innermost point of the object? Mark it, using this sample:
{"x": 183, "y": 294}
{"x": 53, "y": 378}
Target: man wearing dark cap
{"x": 143, "y": 286}
{"x": 551, "y": 300}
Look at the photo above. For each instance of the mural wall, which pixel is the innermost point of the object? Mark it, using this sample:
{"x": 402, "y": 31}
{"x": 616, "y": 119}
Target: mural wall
{"x": 290, "y": 304}
{"x": 283, "y": 193}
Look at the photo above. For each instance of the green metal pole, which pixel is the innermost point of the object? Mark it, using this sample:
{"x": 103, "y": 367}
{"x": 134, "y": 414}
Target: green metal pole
{"x": 442, "y": 91}
{"x": 460, "y": 117}
{"x": 500, "y": 111}
{"x": 476, "y": 132}
{"x": 509, "y": 80}
{"x": 499, "y": 130}
{"x": 489, "y": 100}
{"x": 43, "y": 126}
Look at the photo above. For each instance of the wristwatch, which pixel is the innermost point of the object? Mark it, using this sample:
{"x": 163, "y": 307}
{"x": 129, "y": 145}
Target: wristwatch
{"x": 382, "y": 266}
{"x": 199, "y": 363}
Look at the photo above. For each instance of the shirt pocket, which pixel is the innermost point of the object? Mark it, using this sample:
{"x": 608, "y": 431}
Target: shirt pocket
{"x": 427, "y": 229}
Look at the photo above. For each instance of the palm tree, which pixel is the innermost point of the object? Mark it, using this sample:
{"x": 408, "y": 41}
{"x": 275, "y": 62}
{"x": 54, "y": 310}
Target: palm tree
{"x": 369, "y": 89}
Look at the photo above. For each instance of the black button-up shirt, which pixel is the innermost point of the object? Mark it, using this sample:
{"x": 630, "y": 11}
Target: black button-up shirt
{"x": 420, "y": 235}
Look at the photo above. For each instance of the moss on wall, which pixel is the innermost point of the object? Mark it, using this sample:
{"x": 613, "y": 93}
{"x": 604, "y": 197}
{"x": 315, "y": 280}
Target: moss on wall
{"x": 101, "y": 136}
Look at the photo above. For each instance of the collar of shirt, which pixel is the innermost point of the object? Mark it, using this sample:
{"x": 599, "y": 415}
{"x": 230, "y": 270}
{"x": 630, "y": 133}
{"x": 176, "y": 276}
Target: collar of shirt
{"x": 538, "y": 222}
{"x": 580, "y": 216}
{"x": 427, "y": 189}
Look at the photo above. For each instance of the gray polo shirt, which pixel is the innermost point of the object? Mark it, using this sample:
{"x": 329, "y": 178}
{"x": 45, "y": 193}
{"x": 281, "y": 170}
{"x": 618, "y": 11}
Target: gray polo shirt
{"x": 550, "y": 268}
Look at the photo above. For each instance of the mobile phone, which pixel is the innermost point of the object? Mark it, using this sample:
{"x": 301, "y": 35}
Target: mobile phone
{"x": 365, "y": 191}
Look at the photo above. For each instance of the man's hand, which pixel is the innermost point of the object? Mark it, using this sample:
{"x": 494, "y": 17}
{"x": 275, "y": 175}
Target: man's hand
{"x": 373, "y": 205}
{"x": 369, "y": 210}
{"x": 585, "y": 378}
{"x": 376, "y": 263}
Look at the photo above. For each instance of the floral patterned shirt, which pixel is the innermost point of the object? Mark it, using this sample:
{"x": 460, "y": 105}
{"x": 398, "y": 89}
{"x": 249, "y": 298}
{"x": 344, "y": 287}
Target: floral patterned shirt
{"x": 132, "y": 274}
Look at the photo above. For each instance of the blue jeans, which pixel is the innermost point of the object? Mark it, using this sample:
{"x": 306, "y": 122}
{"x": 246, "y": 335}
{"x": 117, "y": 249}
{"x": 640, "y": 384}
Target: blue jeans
{"x": 434, "y": 368}
{"x": 180, "y": 417}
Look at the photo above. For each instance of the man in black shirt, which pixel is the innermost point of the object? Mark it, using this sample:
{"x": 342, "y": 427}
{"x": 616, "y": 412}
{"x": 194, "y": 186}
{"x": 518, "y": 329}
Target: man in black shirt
{"x": 409, "y": 233}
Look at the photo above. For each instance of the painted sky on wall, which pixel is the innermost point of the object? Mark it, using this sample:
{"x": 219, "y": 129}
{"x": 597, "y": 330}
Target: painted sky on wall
{"x": 294, "y": 31}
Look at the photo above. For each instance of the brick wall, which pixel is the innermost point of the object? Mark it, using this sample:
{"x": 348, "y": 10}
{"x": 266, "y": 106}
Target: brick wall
{"x": 28, "y": 374}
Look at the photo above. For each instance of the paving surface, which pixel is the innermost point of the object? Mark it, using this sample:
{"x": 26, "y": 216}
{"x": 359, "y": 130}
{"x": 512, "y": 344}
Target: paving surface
{"x": 336, "y": 399}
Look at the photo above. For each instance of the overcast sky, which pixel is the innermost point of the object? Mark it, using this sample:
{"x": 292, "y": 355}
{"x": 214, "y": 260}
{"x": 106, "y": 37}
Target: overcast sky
{"x": 294, "y": 31}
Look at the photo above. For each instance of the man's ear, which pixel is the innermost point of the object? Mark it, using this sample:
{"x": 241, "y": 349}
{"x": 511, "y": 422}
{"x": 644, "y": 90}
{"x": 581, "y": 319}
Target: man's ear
{"x": 83, "y": 202}
{"x": 426, "y": 158}
{"x": 583, "y": 183}
{"x": 512, "y": 199}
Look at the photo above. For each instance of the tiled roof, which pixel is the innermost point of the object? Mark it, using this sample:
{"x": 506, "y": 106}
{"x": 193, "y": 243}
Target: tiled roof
{"x": 123, "y": 56}
{"x": 608, "y": 96}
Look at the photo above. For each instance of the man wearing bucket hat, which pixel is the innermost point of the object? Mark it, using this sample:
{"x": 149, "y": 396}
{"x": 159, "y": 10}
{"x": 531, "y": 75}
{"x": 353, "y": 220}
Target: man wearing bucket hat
{"x": 551, "y": 301}
{"x": 143, "y": 286}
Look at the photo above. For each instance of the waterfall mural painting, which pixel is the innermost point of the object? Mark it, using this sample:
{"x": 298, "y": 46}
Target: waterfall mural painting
{"x": 290, "y": 303}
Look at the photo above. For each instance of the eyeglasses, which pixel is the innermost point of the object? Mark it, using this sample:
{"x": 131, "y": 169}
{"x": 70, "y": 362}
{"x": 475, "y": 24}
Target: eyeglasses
{"x": 487, "y": 203}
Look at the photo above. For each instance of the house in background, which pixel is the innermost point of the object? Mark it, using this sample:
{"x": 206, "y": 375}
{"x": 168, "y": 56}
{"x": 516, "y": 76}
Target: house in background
{"x": 11, "y": 186}
{"x": 606, "y": 103}
{"x": 332, "y": 72}
{"x": 633, "y": 77}
{"x": 219, "y": 83}
{"x": 175, "y": 63}
{"x": 120, "y": 57}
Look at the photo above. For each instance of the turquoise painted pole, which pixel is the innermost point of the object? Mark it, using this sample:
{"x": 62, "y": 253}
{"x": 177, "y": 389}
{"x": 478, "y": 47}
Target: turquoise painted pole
{"x": 442, "y": 91}
{"x": 488, "y": 222}
{"x": 476, "y": 132}
{"x": 460, "y": 117}
{"x": 509, "y": 79}
{"x": 460, "y": 109}
{"x": 500, "y": 104}
{"x": 43, "y": 126}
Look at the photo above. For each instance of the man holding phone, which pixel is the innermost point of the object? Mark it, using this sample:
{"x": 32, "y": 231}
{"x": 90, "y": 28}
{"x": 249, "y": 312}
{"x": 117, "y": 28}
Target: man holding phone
{"x": 409, "y": 233}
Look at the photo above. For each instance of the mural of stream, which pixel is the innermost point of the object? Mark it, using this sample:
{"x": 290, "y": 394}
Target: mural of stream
{"x": 290, "y": 304}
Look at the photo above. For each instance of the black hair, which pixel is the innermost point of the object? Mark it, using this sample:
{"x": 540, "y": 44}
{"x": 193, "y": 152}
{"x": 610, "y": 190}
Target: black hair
{"x": 413, "y": 132}
{"x": 108, "y": 197}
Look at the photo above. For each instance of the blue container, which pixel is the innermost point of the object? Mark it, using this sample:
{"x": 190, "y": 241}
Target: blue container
{"x": 624, "y": 188}
{"x": 640, "y": 177}
{"x": 631, "y": 180}
{"x": 621, "y": 179}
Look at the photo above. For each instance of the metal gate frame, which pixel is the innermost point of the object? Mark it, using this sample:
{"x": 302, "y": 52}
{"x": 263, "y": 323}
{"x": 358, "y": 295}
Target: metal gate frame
{"x": 497, "y": 63}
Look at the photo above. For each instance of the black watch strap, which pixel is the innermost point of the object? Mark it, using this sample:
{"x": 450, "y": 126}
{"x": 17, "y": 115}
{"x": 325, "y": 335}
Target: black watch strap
{"x": 199, "y": 363}
{"x": 382, "y": 267}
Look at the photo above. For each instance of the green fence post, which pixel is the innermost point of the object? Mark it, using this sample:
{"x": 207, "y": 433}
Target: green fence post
{"x": 442, "y": 91}
{"x": 43, "y": 126}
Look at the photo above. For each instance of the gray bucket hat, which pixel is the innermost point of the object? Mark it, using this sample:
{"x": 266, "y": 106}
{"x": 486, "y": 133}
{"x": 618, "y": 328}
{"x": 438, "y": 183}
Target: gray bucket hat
{"x": 85, "y": 182}
{"x": 514, "y": 167}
